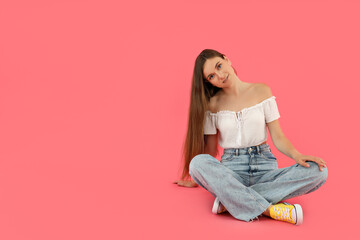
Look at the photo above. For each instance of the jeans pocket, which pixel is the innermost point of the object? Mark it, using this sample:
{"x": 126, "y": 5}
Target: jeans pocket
{"x": 227, "y": 157}
{"x": 268, "y": 155}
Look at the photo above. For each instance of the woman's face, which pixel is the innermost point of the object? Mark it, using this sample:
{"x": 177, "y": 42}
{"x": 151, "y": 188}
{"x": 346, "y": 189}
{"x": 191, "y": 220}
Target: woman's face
{"x": 218, "y": 71}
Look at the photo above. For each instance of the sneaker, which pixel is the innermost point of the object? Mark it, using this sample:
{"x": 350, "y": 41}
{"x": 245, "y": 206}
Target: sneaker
{"x": 218, "y": 207}
{"x": 287, "y": 212}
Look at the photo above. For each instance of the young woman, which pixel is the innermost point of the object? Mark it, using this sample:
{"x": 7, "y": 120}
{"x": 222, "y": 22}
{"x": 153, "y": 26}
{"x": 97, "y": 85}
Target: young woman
{"x": 246, "y": 182}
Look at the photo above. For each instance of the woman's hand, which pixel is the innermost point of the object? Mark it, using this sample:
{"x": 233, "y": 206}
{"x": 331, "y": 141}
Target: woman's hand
{"x": 186, "y": 183}
{"x": 301, "y": 160}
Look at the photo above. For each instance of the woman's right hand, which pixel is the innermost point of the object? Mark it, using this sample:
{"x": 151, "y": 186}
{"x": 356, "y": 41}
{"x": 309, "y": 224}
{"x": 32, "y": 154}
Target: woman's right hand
{"x": 186, "y": 183}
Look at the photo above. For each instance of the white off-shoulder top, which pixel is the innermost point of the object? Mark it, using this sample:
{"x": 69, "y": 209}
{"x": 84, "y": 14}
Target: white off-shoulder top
{"x": 244, "y": 128}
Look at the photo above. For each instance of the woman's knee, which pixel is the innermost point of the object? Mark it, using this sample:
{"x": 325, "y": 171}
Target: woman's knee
{"x": 315, "y": 169}
{"x": 324, "y": 174}
{"x": 199, "y": 161}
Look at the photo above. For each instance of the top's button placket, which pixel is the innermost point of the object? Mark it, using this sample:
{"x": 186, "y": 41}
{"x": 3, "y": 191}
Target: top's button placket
{"x": 238, "y": 116}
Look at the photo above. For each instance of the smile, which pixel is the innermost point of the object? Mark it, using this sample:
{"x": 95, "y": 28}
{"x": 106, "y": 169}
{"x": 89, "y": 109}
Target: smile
{"x": 226, "y": 78}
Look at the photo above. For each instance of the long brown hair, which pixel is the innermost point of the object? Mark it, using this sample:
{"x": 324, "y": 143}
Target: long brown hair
{"x": 201, "y": 92}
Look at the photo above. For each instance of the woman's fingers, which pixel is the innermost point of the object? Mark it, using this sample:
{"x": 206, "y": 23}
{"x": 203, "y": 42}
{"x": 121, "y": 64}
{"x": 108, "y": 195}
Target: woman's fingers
{"x": 179, "y": 182}
{"x": 184, "y": 183}
{"x": 190, "y": 184}
{"x": 320, "y": 163}
{"x": 303, "y": 163}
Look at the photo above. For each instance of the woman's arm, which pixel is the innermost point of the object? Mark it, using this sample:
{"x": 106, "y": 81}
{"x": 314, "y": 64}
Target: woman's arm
{"x": 211, "y": 144}
{"x": 211, "y": 147}
{"x": 283, "y": 144}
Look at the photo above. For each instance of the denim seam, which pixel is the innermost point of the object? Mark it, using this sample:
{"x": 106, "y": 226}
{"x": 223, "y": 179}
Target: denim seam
{"x": 263, "y": 155}
{"x": 303, "y": 193}
{"x": 254, "y": 197}
{"x": 315, "y": 188}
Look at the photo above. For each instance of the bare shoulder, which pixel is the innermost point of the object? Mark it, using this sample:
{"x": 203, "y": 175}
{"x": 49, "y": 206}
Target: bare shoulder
{"x": 213, "y": 103}
{"x": 263, "y": 91}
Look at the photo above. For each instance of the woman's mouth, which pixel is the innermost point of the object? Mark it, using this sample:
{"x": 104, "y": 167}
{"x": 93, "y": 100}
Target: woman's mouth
{"x": 226, "y": 78}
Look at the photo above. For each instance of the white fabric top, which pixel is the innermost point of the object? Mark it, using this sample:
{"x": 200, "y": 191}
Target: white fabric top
{"x": 244, "y": 128}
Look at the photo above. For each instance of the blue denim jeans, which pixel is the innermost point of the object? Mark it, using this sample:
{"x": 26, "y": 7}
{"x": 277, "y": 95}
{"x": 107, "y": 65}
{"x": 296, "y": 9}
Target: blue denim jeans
{"x": 247, "y": 180}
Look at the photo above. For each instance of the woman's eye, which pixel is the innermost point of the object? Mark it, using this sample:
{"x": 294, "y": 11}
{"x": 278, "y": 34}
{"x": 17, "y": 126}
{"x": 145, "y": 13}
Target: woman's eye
{"x": 213, "y": 75}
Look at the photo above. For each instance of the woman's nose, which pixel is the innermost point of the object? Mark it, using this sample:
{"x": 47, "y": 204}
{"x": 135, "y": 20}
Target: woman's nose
{"x": 221, "y": 75}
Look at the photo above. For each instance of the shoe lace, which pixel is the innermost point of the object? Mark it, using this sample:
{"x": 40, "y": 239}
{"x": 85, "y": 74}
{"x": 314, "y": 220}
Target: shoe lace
{"x": 283, "y": 213}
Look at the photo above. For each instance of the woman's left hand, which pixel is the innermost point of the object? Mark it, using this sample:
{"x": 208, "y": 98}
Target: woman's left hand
{"x": 301, "y": 160}
{"x": 186, "y": 183}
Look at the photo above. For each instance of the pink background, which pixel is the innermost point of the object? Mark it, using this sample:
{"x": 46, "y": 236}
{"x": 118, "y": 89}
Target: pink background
{"x": 94, "y": 98}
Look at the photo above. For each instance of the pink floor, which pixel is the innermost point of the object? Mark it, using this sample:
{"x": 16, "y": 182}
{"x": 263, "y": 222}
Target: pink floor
{"x": 82, "y": 203}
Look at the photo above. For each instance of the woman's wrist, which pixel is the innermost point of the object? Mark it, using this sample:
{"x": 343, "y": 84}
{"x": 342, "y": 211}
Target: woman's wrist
{"x": 295, "y": 154}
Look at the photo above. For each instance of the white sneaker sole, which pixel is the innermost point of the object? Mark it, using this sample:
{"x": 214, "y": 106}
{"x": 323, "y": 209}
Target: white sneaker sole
{"x": 299, "y": 214}
{"x": 216, "y": 206}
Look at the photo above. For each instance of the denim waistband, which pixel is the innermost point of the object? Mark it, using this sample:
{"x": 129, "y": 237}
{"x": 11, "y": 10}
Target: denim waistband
{"x": 246, "y": 150}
